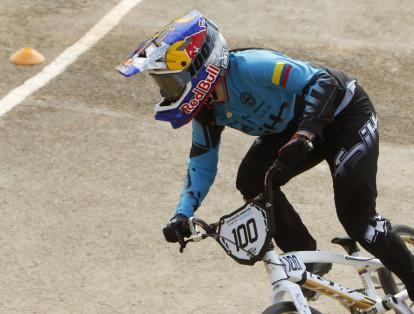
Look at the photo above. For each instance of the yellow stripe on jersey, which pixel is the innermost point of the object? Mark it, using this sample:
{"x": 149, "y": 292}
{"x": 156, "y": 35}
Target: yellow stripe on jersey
{"x": 277, "y": 73}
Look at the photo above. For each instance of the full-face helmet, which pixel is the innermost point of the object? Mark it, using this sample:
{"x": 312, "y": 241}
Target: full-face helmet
{"x": 186, "y": 58}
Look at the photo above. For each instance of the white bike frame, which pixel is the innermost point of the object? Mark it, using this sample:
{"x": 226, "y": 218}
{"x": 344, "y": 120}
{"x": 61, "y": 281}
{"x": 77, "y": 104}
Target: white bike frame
{"x": 285, "y": 281}
{"x": 287, "y": 273}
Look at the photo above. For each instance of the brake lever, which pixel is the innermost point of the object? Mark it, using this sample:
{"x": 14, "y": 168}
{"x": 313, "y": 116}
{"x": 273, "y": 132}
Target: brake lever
{"x": 196, "y": 235}
{"x": 180, "y": 240}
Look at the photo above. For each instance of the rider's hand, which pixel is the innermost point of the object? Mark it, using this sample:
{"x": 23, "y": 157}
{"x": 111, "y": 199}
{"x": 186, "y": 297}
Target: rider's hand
{"x": 293, "y": 152}
{"x": 296, "y": 150}
{"x": 177, "y": 224}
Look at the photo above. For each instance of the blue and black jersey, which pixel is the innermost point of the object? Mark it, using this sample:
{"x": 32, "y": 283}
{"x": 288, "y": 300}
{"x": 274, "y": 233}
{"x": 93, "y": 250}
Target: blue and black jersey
{"x": 267, "y": 92}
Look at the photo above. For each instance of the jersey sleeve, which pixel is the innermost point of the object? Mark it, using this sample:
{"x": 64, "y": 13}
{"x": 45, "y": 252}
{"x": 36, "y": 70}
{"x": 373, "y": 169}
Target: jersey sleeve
{"x": 322, "y": 95}
{"x": 202, "y": 166}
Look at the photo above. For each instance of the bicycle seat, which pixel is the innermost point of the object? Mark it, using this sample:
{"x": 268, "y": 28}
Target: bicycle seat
{"x": 349, "y": 245}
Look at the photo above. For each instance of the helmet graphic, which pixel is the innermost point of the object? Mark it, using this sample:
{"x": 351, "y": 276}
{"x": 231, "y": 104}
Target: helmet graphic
{"x": 186, "y": 59}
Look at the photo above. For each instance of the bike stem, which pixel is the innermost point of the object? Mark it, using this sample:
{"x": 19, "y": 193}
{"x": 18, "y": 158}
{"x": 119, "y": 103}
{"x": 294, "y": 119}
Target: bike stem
{"x": 272, "y": 265}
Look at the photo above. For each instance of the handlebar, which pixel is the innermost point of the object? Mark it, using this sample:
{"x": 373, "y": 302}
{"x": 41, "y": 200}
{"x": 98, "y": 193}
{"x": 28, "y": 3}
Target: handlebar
{"x": 210, "y": 229}
{"x": 196, "y": 235}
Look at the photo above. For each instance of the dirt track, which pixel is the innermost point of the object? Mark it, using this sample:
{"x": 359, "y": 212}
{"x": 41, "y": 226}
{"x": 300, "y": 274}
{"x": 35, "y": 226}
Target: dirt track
{"x": 88, "y": 178}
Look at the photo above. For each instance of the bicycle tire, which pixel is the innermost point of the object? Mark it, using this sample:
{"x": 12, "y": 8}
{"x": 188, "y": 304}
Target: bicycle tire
{"x": 389, "y": 282}
{"x": 285, "y": 308}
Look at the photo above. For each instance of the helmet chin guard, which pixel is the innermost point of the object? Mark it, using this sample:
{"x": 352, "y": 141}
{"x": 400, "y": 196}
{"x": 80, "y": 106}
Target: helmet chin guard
{"x": 186, "y": 59}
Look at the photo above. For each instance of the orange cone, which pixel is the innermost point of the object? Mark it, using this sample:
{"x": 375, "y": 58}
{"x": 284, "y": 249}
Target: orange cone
{"x": 26, "y": 56}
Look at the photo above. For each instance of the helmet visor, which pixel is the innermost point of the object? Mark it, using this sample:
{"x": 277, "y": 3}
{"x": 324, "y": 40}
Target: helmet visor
{"x": 171, "y": 85}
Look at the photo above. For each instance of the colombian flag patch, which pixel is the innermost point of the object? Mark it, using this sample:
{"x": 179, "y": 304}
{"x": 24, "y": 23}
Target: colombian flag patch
{"x": 281, "y": 74}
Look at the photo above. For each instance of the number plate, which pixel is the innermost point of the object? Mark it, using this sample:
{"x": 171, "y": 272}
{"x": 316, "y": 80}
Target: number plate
{"x": 244, "y": 234}
{"x": 294, "y": 266}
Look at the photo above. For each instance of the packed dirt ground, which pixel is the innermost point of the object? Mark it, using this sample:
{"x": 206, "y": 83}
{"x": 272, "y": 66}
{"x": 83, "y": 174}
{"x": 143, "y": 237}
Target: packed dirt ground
{"x": 88, "y": 178}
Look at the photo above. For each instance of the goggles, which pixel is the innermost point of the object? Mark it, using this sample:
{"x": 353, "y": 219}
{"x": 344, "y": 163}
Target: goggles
{"x": 172, "y": 85}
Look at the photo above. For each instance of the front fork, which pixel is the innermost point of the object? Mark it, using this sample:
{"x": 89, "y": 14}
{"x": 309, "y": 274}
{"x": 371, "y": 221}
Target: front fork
{"x": 281, "y": 285}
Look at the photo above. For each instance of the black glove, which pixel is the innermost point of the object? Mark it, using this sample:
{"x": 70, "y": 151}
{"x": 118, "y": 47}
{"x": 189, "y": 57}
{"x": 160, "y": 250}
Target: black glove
{"x": 290, "y": 155}
{"x": 296, "y": 150}
{"x": 177, "y": 226}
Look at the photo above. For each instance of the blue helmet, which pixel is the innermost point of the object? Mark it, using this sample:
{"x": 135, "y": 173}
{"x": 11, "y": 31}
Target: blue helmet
{"x": 186, "y": 58}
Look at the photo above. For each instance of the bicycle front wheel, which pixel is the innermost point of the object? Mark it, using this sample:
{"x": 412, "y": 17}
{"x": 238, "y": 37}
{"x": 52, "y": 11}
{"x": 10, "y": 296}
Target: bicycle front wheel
{"x": 285, "y": 308}
{"x": 391, "y": 283}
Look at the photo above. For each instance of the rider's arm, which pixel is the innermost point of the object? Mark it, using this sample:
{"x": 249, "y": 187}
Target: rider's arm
{"x": 321, "y": 96}
{"x": 202, "y": 166}
{"x": 320, "y": 90}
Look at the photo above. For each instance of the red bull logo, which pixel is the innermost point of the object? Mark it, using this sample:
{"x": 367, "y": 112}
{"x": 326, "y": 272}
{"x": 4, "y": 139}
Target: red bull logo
{"x": 202, "y": 89}
{"x": 196, "y": 40}
{"x": 192, "y": 29}
{"x": 194, "y": 43}
{"x": 178, "y": 26}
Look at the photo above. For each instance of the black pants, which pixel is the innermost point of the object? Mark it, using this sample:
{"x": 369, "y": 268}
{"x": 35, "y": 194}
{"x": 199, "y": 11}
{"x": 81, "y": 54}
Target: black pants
{"x": 350, "y": 146}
